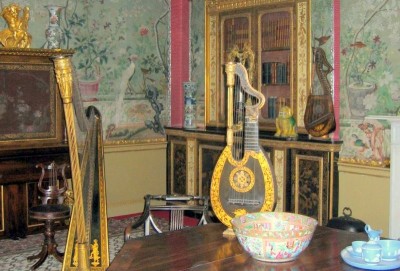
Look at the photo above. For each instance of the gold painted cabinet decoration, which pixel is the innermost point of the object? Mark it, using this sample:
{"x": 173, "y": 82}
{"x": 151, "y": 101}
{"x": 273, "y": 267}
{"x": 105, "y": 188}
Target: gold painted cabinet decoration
{"x": 271, "y": 38}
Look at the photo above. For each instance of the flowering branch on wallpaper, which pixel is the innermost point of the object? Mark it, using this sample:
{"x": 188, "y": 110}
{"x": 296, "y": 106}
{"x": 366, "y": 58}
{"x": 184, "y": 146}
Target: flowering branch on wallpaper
{"x": 162, "y": 54}
{"x": 194, "y": 51}
{"x": 91, "y": 51}
{"x": 364, "y": 52}
{"x": 366, "y": 61}
{"x": 155, "y": 64}
{"x": 93, "y": 37}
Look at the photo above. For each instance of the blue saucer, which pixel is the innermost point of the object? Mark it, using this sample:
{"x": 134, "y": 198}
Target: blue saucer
{"x": 352, "y": 252}
{"x": 359, "y": 262}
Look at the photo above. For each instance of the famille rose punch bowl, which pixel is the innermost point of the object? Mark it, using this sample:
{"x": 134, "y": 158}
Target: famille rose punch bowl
{"x": 274, "y": 236}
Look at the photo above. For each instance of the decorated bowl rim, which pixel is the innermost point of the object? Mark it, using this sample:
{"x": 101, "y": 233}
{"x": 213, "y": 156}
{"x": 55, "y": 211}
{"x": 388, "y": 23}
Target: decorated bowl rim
{"x": 237, "y": 220}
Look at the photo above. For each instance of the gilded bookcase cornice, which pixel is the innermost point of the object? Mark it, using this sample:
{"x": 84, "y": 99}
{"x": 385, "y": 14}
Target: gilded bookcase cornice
{"x": 221, "y": 5}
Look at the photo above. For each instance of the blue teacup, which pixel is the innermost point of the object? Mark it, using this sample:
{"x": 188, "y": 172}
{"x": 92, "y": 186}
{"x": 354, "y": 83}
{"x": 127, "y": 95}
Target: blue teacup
{"x": 357, "y": 248}
{"x": 390, "y": 249}
{"x": 371, "y": 252}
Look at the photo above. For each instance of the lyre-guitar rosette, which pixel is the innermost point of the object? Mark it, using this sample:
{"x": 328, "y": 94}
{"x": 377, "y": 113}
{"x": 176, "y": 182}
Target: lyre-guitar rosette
{"x": 242, "y": 179}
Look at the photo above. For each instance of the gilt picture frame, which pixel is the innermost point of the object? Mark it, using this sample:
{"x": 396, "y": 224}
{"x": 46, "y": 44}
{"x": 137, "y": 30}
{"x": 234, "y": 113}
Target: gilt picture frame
{"x": 30, "y": 105}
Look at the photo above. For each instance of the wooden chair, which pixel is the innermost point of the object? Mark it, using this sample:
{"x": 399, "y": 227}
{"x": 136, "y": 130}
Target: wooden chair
{"x": 176, "y": 206}
{"x": 50, "y": 210}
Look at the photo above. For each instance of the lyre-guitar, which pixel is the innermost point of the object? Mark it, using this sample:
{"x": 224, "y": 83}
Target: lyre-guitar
{"x": 243, "y": 179}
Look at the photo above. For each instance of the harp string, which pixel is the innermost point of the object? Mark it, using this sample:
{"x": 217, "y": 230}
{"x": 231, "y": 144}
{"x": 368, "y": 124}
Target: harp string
{"x": 316, "y": 90}
{"x": 319, "y": 117}
{"x": 238, "y": 121}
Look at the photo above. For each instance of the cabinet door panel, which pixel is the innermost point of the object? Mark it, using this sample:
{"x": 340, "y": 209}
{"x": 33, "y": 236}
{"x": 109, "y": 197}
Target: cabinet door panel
{"x": 278, "y": 159}
{"x": 177, "y": 168}
{"x": 15, "y": 211}
{"x": 310, "y": 184}
{"x": 208, "y": 157}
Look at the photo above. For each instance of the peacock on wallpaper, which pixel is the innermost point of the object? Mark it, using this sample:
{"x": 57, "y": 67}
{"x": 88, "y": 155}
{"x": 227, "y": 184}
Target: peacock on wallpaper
{"x": 121, "y": 59}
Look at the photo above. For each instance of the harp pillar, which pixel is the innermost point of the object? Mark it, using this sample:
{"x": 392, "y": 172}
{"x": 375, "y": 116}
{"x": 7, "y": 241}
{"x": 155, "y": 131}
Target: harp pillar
{"x": 63, "y": 70}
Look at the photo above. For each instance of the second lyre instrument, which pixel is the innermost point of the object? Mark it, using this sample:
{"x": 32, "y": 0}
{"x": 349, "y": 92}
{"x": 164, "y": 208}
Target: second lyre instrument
{"x": 319, "y": 117}
{"x": 243, "y": 180}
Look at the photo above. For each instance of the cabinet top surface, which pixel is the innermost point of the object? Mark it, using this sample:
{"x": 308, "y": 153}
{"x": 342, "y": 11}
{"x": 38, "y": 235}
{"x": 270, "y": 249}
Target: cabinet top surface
{"x": 36, "y": 52}
{"x": 172, "y": 130}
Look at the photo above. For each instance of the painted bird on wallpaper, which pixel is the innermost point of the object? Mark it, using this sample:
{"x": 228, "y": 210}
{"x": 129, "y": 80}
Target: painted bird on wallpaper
{"x": 322, "y": 40}
{"x": 123, "y": 86}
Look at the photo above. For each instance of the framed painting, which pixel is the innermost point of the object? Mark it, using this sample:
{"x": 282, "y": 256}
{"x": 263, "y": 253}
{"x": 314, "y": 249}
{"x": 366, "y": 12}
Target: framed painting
{"x": 30, "y": 105}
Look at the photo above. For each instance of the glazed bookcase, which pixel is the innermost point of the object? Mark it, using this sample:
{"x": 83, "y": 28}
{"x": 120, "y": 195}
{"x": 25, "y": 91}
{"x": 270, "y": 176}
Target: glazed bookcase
{"x": 272, "y": 39}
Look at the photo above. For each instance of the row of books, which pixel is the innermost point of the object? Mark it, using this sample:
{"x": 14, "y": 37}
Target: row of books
{"x": 275, "y": 34}
{"x": 275, "y": 73}
{"x": 236, "y": 33}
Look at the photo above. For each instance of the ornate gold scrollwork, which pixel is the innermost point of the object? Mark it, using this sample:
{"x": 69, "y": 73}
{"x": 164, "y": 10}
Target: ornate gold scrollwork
{"x": 242, "y": 179}
{"x": 16, "y": 35}
{"x": 245, "y": 57}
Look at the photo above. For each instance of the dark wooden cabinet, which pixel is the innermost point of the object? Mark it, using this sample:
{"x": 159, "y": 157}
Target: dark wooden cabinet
{"x": 18, "y": 186}
{"x": 15, "y": 211}
{"x": 305, "y": 169}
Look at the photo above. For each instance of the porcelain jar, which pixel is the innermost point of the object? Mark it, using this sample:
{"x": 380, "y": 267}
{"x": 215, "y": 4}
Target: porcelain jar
{"x": 54, "y": 33}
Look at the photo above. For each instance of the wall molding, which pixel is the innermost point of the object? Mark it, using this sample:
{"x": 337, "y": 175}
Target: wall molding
{"x": 382, "y": 172}
{"x": 145, "y": 146}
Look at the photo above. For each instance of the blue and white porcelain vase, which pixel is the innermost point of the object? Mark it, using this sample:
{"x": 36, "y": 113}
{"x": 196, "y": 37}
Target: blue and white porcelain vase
{"x": 190, "y": 89}
{"x": 54, "y": 33}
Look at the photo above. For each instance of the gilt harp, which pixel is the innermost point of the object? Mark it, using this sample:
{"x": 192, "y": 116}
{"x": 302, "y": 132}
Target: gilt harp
{"x": 87, "y": 241}
{"x": 243, "y": 180}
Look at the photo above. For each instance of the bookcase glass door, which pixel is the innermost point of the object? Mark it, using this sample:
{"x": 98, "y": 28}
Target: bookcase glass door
{"x": 276, "y": 54}
{"x": 236, "y": 39}
{"x": 236, "y": 33}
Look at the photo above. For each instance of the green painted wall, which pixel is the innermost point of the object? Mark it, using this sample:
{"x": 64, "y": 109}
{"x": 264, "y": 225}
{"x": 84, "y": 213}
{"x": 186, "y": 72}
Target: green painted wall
{"x": 123, "y": 48}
